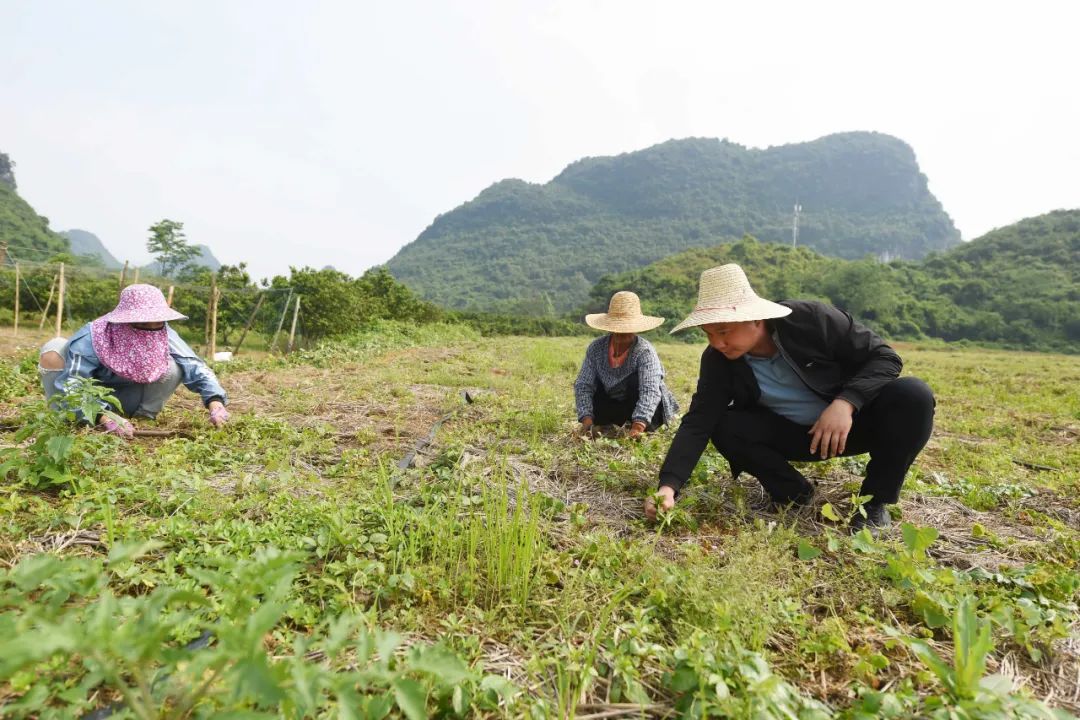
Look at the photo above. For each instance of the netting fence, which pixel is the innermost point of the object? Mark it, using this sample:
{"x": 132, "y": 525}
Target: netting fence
{"x": 226, "y": 315}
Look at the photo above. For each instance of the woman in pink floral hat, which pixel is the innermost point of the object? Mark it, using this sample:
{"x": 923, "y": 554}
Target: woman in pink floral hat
{"x": 133, "y": 351}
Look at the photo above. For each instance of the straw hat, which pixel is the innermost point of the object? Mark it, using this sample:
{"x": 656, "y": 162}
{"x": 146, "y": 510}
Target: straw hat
{"x": 142, "y": 303}
{"x": 623, "y": 316}
{"x": 725, "y": 295}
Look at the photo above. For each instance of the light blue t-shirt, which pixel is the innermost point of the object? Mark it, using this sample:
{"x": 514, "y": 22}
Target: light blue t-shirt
{"x": 783, "y": 391}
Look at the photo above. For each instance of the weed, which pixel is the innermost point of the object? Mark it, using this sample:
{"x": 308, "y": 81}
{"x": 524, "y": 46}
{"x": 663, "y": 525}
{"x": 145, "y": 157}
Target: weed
{"x": 55, "y": 450}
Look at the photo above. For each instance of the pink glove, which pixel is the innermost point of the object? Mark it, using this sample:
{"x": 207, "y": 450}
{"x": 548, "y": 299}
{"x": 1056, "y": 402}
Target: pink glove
{"x": 218, "y": 415}
{"x": 121, "y": 429}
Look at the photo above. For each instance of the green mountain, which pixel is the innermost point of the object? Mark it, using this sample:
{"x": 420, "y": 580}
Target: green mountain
{"x": 26, "y": 233}
{"x": 520, "y": 247}
{"x": 88, "y": 244}
{"x": 1017, "y": 286}
{"x": 206, "y": 259}
{"x": 85, "y": 243}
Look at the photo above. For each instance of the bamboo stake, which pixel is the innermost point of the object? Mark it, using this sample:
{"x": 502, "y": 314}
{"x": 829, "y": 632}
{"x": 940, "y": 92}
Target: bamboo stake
{"x": 249, "y": 323}
{"x": 123, "y": 275}
{"x": 48, "y": 304}
{"x": 281, "y": 321}
{"x": 169, "y": 299}
{"x": 3, "y": 253}
{"x": 215, "y": 295}
{"x": 135, "y": 279}
{"x": 16, "y": 333}
{"x": 60, "y": 303}
{"x": 292, "y": 330}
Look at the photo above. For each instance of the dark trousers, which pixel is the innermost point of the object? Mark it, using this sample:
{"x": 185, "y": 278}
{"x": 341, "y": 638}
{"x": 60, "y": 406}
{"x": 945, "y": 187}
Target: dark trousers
{"x": 893, "y": 428}
{"x": 611, "y": 411}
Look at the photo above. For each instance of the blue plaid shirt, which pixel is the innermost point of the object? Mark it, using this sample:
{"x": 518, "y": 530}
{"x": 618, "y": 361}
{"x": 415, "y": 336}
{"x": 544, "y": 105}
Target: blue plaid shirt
{"x": 642, "y": 361}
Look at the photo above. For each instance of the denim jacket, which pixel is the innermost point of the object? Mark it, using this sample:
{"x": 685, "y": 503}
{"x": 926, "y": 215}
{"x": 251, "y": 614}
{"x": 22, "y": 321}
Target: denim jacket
{"x": 81, "y": 361}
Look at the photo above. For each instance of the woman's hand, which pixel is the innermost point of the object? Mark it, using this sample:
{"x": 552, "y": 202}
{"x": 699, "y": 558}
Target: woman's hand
{"x": 119, "y": 427}
{"x": 666, "y": 497}
{"x": 637, "y": 429}
{"x": 586, "y": 425}
{"x": 218, "y": 414}
{"x": 830, "y": 432}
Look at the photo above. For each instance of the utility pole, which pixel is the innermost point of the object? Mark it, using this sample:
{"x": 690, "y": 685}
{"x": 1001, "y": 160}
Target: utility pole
{"x": 795, "y": 224}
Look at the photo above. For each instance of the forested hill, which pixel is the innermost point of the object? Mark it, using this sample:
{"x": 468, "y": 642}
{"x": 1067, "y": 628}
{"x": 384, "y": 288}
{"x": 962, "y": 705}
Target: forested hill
{"x": 528, "y": 248}
{"x": 26, "y": 233}
{"x": 1016, "y": 286}
{"x": 89, "y": 245}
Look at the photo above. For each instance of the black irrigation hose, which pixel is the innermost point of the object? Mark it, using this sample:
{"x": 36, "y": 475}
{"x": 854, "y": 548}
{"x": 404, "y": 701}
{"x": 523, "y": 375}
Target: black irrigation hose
{"x": 101, "y": 713}
{"x": 407, "y": 461}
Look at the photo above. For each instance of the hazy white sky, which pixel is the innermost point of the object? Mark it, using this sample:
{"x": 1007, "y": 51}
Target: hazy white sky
{"x": 322, "y": 133}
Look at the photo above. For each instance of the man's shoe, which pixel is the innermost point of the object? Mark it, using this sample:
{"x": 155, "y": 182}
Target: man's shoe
{"x": 877, "y": 519}
{"x": 774, "y": 505}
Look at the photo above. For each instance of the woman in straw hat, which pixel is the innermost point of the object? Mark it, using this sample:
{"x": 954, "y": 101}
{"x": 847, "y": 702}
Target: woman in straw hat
{"x": 134, "y": 352}
{"x": 795, "y": 381}
{"x": 621, "y": 379}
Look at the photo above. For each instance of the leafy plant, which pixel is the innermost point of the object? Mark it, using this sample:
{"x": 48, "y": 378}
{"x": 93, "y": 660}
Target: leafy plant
{"x": 54, "y": 443}
{"x": 970, "y": 693}
{"x": 61, "y": 617}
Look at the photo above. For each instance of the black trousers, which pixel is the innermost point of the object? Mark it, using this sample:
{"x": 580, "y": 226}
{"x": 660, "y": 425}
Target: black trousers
{"x": 893, "y": 428}
{"x": 611, "y": 411}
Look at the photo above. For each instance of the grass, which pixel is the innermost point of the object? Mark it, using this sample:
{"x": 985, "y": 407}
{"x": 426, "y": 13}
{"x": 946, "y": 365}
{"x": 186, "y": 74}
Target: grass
{"x": 512, "y": 574}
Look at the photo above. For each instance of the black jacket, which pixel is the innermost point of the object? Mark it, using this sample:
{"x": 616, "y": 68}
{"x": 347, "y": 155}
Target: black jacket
{"x": 833, "y": 354}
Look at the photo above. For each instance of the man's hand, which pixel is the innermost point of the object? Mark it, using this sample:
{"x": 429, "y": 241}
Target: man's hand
{"x": 666, "y": 496}
{"x": 119, "y": 427}
{"x": 637, "y": 429}
{"x": 218, "y": 414}
{"x": 830, "y": 432}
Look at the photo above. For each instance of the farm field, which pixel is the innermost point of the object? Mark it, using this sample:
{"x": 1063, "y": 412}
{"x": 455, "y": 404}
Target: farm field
{"x": 286, "y": 566}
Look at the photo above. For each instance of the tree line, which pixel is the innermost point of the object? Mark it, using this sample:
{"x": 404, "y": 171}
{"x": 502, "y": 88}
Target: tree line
{"x": 1016, "y": 287}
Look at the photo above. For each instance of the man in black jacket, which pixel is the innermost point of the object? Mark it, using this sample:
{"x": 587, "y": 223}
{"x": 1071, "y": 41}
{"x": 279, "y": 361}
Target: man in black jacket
{"x": 795, "y": 381}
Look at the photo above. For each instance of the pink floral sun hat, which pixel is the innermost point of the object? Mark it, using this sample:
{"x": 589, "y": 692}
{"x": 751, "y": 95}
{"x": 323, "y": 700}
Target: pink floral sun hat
{"x": 142, "y": 304}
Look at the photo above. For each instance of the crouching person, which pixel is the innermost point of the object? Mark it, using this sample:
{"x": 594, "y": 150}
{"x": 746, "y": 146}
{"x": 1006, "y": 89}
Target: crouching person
{"x": 795, "y": 381}
{"x": 134, "y": 352}
{"x": 621, "y": 379}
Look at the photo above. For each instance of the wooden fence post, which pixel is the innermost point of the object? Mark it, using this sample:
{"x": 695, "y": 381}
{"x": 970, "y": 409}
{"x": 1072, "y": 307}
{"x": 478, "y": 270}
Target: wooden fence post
{"x": 16, "y": 333}
{"x": 48, "y": 304}
{"x": 215, "y": 295}
{"x": 123, "y": 275}
{"x": 168, "y": 301}
{"x": 135, "y": 279}
{"x": 281, "y": 322}
{"x": 60, "y": 303}
{"x": 292, "y": 330}
{"x": 249, "y": 323}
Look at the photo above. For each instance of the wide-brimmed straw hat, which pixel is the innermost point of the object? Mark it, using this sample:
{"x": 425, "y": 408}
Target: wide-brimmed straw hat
{"x": 623, "y": 315}
{"x": 142, "y": 304}
{"x": 725, "y": 295}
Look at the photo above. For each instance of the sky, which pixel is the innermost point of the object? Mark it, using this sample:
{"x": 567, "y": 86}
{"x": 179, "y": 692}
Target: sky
{"x": 332, "y": 133}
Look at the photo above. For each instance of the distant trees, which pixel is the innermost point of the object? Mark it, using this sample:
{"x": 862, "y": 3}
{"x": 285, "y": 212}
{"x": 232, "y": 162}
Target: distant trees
{"x": 1018, "y": 286}
{"x": 7, "y": 170}
{"x": 337, "y": 304}
{"x": 170, "y": 248}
